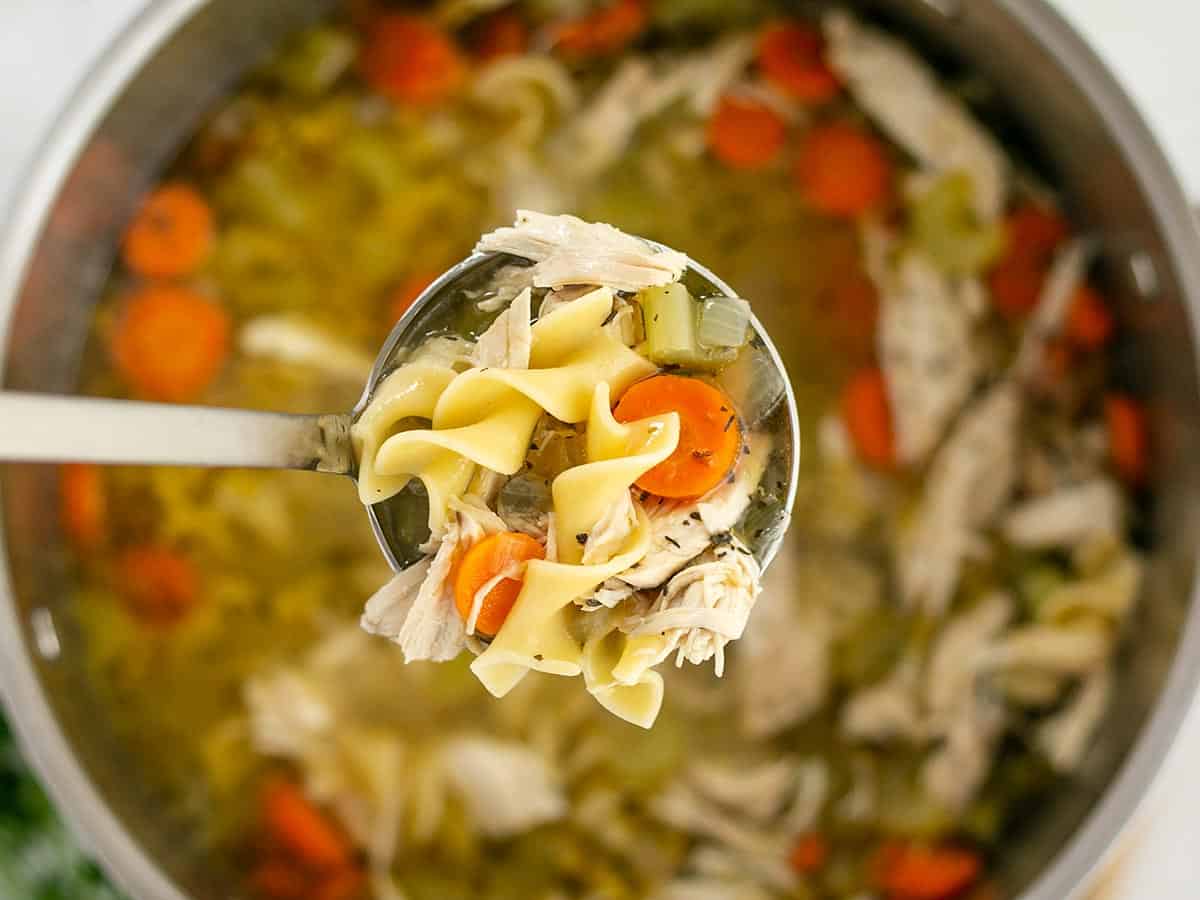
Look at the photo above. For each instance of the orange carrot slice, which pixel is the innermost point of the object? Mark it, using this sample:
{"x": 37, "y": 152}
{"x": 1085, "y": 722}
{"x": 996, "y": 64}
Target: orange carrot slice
{"x": 160, "y": 585}
{"x": 500, "y": 35}
{"x": 745, "y": 134}
{"x": 710, "y": 435}
{"x": 868, "y": 417}
{"x": 170, "y": 343}
{"x": 83, "y": 504}
{"x": 406, "y": 294}
{"x": 302, "y": 829}
{"x": 809, "y": 853}
{"x": 1089, "y": 323}
{"x": 604, "y": 31}
{"x": 843, "y": 170}
{"x": 1128, "y": 437}
{"x": 345, "y": 884}
{"x": 791, "y": 57}
{"x": 278, "y": 879}
{"x": 481, "y": 564}
{"x": 1033, "y": 234}
{"x": 411, "y": 61}
{"x": 914, "y": 872}
{"x": 171, "y": 235}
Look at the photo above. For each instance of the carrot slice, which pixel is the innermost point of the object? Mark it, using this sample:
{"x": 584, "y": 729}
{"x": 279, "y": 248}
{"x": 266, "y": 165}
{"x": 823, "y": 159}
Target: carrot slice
{"x": 279, "y": 879}
{"x": 745, "y": 134}
{"x": 303, "y": 830}
{"x": 1016, "y": 283}
{"x": 913, "y": 872}
{"x": 791, "y": 57}
{"x": 412, "y": 61}
{"x": 159, "y": 584}
{"x": 406, "y": 294}
{"x": 843, "y": 170}
{"x": 710, "y": 435}
{"x": 481, "y": 564}
{"x": 854, "y": 311}
{"x": 1033, "y": 234}
{"x": 84, "y": 504}
{"x": 1089, "y": 323}
{"x": 604, "y": 31}
{"x": 868, "y": 418}
{"x": 809, "y": 853}
{"x": 170, "y": 343}
{"x": 346, "y": 884}
{"x": 1128, "y": 437}
{"x": 171, "y": 235}
{"x": 501, "y": 34}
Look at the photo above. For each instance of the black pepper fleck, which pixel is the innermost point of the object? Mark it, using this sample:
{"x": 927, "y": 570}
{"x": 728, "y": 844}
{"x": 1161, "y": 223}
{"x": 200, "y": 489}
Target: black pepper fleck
{"x": 670, "y": 540}
{"x": 694, "y": 515}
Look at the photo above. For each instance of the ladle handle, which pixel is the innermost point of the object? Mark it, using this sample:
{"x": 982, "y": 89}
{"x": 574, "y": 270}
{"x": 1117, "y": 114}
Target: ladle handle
{"x": 54, "y": 428}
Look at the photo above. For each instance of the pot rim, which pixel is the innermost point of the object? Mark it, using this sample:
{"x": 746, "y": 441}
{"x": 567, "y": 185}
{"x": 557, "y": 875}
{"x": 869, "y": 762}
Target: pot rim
{"x": 37, "y": 730}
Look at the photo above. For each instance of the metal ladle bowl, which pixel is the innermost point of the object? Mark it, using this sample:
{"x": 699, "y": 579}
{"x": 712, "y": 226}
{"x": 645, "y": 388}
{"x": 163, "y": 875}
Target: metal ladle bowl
{"x": 57, "y": 428}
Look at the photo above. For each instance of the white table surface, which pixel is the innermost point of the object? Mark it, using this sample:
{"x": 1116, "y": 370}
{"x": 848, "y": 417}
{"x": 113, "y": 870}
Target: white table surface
{"x": 47, "y": 45}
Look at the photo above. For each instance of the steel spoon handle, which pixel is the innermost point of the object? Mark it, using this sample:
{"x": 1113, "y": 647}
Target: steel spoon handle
{"x": 55, "y": 428}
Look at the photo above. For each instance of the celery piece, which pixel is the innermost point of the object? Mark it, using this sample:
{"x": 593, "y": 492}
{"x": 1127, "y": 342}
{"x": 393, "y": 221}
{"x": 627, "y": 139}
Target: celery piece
{"x": 670, "y": 314}
{"x": 945, "y": 227}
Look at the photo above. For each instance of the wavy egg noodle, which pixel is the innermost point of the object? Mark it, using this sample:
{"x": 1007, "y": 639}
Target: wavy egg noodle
{"x": 536, "y": 635}
{"x": 485, "y": 416}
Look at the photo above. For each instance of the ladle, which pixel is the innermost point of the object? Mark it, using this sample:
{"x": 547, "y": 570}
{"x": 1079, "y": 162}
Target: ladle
{"x": 41, "y": 427}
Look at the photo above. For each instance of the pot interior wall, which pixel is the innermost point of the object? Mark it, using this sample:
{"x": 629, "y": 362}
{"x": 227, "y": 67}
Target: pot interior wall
{"x": 146, "y": 125}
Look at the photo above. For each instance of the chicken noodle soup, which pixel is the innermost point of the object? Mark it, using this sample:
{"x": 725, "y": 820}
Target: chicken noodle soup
{"x": 933, "y": 651}
{"x": 599, "y": 562}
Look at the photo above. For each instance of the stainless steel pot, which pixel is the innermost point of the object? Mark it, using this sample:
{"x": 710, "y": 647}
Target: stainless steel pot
{"x": 167, "y": 68}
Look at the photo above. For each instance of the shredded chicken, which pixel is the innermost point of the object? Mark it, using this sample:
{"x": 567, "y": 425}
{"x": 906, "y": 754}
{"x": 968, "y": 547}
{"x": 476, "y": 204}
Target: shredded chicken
{"x": 1060, "y": 650}
{"x": 508, "y": 341}
{"x": 1065, "y": 737}
{"x": 601, "y": 132}
{"x": 1054, "y": 303}
{"x": 704, "y": 607}
{"x": 954, "y": 772}
{"x": 416, "y": 608}
{"x": 904, "y": 96}
{"x": 1067, "y": 517}
{"x": 925, "y": 352}
{"x": 968, "y": 482}
{"x": 292, "y": 340}
{"x": 610, "y": 532}
{"x": 950, "y": 672}
{"x": 683, "y": 530}
{"x": 784, "y": 657}
{"x": 567, "y": 250}
{"x": 507, "y": 787}
{"x": 887, "y": 710}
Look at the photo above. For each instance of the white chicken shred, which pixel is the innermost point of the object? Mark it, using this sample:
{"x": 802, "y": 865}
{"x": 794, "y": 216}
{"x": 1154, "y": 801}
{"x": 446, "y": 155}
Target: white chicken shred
{"x": 704, "y": 607}
{"x": 902, "y": 94}
{"x": 1065, "y": 737}
{"x": 926, "y": 354}
{"x": 969, "y": 481}
{"x": 507, "y": 787}
{"x": 1067, "y": 517}
{"x": 1054, "y": 303}
{"x": 508, "y": 341}
{"x": 292, "y": 340}
{"x": 567, "y": 250}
